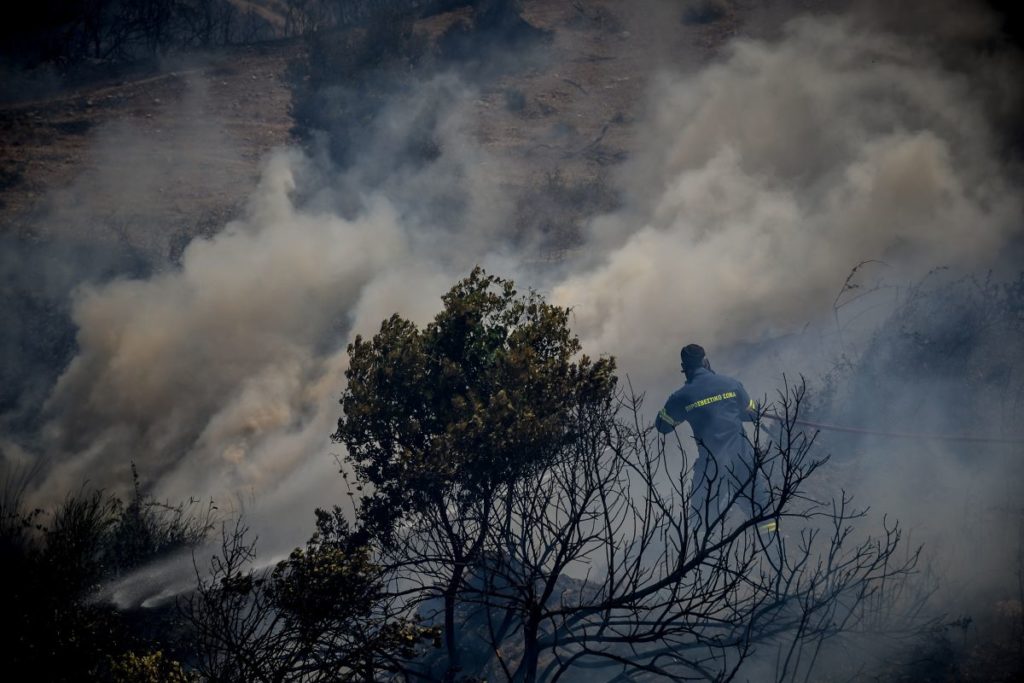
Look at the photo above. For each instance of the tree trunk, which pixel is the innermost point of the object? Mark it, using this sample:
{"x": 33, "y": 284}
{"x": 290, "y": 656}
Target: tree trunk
{"x": 528, "y": 665}
{"x": 451, "y": 640}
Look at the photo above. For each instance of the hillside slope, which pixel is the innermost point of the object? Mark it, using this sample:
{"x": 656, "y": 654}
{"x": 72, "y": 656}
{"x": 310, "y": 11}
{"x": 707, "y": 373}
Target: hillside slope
{"x": 149, "y": 160}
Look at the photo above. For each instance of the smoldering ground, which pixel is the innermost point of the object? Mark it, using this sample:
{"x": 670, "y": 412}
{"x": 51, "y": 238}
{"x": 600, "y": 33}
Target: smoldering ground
{"x": 755, "y": 184}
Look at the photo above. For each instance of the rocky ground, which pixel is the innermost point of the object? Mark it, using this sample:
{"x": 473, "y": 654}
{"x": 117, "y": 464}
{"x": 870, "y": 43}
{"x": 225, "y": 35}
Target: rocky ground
{"x": 150, "y": 158}
{"x": 113, "y": 160}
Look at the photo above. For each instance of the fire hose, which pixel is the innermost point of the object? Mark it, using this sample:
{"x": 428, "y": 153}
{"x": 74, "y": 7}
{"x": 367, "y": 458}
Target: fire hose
{"x": 961, "y": 438}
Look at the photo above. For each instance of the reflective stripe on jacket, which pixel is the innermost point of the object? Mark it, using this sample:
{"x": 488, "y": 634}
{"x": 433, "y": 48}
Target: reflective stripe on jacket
{"x": 716, "y": 407}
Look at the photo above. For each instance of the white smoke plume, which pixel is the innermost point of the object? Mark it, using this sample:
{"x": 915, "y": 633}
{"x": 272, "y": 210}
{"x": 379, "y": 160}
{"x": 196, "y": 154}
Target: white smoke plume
{"x": 764, "y": 178}
{"x": 221, "y": 377}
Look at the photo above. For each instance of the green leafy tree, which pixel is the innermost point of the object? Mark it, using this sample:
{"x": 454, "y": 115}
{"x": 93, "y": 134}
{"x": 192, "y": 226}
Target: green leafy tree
{"x": 437, "y": 421}
{"x": 154, "y": 667}
{"x": 494, "y": 387}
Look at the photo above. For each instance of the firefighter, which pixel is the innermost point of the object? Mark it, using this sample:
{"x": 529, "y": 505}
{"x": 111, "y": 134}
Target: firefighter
{"x": 716, "y": 407}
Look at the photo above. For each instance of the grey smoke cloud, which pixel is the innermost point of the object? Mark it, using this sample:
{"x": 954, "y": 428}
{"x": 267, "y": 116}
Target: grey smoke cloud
{"x": 762, "y": 179}
{"x": 221, "y": 377}
{"x": 213, "y": 375}
{"x": 115, "y": 218}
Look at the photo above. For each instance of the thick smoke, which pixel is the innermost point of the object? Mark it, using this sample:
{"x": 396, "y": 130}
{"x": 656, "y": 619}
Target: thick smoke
{"x": 114, "y": 219}
{"x": 190, "y": 371}
{"x": 221, "y": 377}
{"x": 764, "y": 178}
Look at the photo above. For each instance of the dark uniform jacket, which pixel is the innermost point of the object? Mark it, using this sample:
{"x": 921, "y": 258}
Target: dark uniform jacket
{"x": 716, "y": 407}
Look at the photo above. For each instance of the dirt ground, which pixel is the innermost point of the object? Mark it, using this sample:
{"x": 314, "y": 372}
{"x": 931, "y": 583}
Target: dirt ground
{"x": 150, "y": 160}
{"x": 170, "y": 153}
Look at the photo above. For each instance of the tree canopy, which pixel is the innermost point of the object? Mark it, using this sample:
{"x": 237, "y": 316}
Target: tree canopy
{"x": 494, "y": 386}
